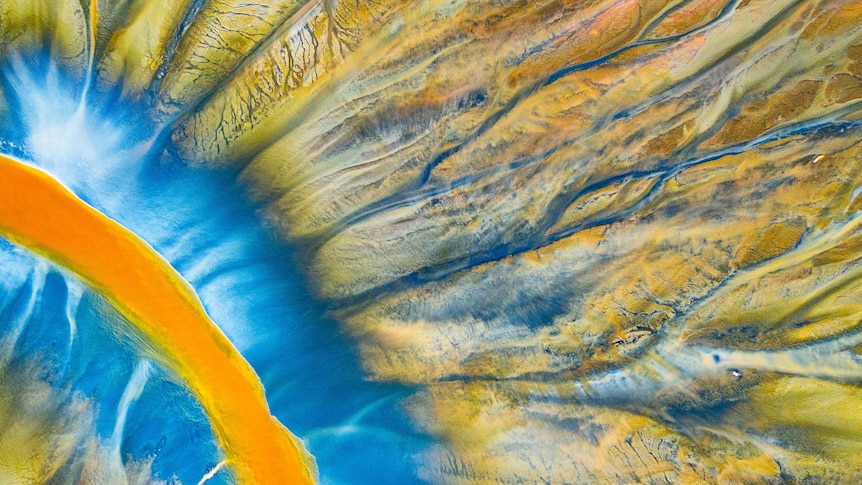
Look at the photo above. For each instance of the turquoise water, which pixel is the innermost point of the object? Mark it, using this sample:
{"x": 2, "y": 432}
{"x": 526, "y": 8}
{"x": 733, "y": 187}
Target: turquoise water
{"x": 249, "y": 282}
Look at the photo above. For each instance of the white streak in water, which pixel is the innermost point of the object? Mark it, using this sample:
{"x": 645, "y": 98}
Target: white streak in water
{"x": 75, "y": 291}
{"x": 351, "y": 425}
{"x": 212, "y": 472}
{"x": 10, "y": 339}
{"x": 65, "y": 138}
{"x": 131, "y": 393}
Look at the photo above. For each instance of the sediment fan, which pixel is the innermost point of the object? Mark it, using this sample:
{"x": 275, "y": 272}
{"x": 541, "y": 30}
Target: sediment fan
{"x": 611, "y": 241}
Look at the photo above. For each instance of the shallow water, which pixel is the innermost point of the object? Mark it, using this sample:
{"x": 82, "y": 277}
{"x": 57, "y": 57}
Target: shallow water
{"x": 247, "y": 280}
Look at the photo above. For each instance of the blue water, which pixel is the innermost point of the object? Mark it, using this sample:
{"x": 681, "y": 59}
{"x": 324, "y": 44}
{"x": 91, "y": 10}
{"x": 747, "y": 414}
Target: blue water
{"x": 247, "y": 279}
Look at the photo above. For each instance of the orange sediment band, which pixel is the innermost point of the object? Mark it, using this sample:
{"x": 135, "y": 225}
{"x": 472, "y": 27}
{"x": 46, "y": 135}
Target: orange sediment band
{"x": 39, "y": 213}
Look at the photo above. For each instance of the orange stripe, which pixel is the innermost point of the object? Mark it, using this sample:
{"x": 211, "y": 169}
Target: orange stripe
{"x": 37, "y": 212}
